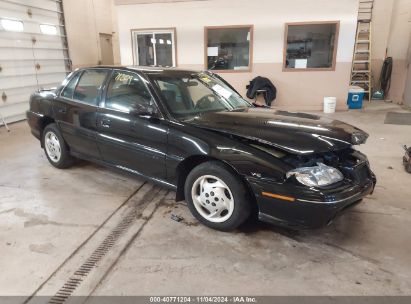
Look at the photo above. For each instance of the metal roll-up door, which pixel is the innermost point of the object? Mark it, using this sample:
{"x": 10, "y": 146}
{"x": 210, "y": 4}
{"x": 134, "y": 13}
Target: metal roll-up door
{"x": 33, "y": 52}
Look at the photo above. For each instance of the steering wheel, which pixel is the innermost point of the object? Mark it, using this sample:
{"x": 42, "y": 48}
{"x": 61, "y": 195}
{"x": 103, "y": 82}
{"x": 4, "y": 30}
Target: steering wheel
{"x": 205, "y": 102}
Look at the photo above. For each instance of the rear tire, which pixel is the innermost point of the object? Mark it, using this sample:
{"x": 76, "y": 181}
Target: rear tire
{"x": 217, "y": 197}
{"x": 55, "y": 147}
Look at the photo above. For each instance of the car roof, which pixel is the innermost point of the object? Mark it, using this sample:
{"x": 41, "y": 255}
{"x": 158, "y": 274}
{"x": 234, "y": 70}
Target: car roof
{"x": 145, "y": 69}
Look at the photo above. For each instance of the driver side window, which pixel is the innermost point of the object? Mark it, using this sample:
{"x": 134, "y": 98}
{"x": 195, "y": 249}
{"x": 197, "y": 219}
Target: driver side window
{"x": 127, "y": 93}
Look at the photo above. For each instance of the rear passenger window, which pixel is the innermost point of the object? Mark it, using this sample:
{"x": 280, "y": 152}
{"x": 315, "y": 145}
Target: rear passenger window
{"x": 69, "y": 89}
{"x": 89, "y": 86}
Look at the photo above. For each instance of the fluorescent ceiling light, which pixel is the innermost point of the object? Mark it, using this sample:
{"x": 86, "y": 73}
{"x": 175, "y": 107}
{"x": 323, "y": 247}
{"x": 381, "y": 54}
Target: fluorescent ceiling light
{"x": 161, "y": 41}
{"x": 153, "y": 41}
{"x": 48, "y": 29}
{"x": 168, "y": 41}
{"x": 12, "y": 25}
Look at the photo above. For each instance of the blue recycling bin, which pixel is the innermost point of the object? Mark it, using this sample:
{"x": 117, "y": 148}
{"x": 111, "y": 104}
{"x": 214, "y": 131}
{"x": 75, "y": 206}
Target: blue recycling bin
{"x": 355, "y": 97}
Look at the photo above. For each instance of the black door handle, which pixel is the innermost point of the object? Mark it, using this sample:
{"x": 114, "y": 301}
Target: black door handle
{"x": 105, "y": 123}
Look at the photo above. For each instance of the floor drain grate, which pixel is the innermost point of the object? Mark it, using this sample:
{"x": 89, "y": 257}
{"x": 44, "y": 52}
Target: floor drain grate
{"x": 109, "y": 241}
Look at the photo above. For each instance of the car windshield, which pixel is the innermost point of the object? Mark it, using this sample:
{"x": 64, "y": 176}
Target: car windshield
{"x": 187, "y": 95}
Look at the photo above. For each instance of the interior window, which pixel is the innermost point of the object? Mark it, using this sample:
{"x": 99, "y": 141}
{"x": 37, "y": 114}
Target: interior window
{"x": 154, "y": 48}
{"x": 311, "y": 46}
{"x": 128, "y": 93}
{"x": 228, "y": 48}
{"x": 69, "y": 89}
{"x": 89, "y": 85}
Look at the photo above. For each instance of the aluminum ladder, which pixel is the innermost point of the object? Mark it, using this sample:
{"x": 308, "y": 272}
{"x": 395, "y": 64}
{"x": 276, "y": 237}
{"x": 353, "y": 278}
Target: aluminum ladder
{"x": 361, "y": 63}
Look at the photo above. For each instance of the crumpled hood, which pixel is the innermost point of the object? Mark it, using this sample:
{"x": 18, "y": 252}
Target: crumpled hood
{"x": 297, "y": 133}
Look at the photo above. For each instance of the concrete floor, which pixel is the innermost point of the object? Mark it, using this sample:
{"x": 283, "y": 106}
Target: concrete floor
{"x": 52, "y": 220}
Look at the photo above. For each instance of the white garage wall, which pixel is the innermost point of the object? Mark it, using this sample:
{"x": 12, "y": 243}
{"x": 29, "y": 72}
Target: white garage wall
{"x": 391, "y": 30}
{"x": 299, "y": 90}
{"x": 29, "y": 59}
{"x": 85, "y": 19}
{"x": 399, "y": 47}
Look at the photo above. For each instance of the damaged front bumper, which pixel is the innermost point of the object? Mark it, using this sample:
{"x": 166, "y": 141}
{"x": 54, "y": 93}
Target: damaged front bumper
{"x": 300, "y": 207}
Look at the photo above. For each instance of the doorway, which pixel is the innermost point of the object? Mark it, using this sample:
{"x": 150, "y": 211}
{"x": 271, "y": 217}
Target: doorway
{"x": 106, "y": 49}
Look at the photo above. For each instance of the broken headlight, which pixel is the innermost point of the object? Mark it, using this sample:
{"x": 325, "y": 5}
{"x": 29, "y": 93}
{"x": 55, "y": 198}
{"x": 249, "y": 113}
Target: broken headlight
{"x": 320, "y": 175}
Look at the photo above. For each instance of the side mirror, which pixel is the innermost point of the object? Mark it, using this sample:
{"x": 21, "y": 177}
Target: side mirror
{"x": 150, "y": 111}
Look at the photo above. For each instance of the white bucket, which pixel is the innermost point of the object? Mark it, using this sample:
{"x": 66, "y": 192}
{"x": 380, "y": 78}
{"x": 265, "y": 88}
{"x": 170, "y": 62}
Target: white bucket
{"x": 329, "y": 104}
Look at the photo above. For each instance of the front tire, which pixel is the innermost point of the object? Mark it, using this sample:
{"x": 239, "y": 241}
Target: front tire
{"x": 217, "y": 197}
{"x": 55, "y": 147}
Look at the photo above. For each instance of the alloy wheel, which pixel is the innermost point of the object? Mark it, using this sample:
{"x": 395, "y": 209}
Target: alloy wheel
{"x": 53, "y": 148}
{"x": 212, "y": 198}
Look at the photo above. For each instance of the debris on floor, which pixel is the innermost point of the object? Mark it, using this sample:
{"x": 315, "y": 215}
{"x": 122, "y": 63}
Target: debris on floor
{"x": 176, "y": 217}
{"x": 182, "y": 220}
{"x": 406, "y": 160}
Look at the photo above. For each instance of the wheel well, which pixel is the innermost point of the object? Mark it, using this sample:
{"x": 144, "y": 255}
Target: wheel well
{"x": 184, "y": 168}
{"x": 188, "y": 164}
{"x": 43, "y": 123}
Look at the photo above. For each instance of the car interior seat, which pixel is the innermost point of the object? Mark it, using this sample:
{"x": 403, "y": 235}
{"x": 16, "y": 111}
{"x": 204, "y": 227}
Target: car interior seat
{"x": 172, "y": 102}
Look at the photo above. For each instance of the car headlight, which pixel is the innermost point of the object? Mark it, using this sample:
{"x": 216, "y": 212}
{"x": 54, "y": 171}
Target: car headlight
{"x": 320, "y": 175}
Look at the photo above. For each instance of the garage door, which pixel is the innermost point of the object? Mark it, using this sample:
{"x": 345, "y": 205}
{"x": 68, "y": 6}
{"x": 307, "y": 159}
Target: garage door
{"x": 33, "y": 52}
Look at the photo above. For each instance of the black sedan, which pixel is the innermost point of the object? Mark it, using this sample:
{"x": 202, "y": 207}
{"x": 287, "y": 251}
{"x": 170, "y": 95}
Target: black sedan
{"x": 191, "y": 131}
